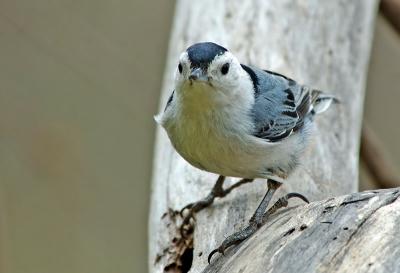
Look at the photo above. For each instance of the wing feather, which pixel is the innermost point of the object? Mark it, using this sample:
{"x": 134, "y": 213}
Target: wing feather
{"x": 281, "y": 105}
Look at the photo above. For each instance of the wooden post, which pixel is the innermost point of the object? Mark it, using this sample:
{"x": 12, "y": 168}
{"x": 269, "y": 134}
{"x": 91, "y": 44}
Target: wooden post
{"x": 324, "y": 44}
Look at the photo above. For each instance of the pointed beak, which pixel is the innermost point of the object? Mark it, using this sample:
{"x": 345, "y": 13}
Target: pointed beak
{"x": 197, "y": 74}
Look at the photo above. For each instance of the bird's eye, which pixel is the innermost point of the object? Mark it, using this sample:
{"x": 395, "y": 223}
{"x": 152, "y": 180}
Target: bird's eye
{"x": 180, "y": 68}
{"x": 225, "y": 69}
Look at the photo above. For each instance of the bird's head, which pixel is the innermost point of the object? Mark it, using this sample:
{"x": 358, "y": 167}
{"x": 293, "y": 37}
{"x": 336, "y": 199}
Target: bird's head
{"x": 208, "y": 67}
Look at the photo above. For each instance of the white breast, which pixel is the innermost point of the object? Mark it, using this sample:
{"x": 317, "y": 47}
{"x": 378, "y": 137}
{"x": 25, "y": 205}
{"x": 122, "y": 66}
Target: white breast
{"x": 200, "y": 141}
{"x": 219, "y": 139}
{"x": 214, "y": 137}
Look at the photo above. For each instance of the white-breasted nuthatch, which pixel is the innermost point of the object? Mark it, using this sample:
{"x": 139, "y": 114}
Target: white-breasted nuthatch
{"x": 240, "y": 121}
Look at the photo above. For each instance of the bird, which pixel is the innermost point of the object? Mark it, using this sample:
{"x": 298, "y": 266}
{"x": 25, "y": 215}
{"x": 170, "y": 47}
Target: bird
{"x": 238, "y": 120}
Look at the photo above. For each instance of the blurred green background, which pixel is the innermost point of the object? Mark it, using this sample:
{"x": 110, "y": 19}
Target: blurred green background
{"x": 79, "y": 84}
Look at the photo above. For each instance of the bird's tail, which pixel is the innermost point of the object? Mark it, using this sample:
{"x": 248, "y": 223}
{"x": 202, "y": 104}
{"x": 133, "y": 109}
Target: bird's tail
{"x": 320, "y": 101}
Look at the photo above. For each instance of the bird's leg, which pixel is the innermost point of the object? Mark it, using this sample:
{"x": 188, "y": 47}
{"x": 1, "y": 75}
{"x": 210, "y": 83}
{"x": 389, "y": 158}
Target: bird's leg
{"x": 254, "y": 221}
{"x": 258, "y": 217}
{"x": 217, "y": 191}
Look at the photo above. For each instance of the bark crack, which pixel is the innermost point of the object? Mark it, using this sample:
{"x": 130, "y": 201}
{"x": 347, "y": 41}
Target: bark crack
{"x": 387, "y": 202}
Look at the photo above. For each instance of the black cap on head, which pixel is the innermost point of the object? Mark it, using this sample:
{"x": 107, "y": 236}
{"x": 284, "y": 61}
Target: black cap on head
{"x": 202, "y": 54}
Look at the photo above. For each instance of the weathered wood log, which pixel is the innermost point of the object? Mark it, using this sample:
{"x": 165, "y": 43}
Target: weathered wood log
{"x": 325, "y": 44}
{"x": 353, "y": 233}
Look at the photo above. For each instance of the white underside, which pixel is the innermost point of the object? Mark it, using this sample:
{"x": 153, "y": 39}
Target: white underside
{"x": 220, "y": 141}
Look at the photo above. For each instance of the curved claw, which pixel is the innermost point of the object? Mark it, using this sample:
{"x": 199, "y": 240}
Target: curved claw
{"x": 217, "y": 250}
{"x": 298, "y": 195}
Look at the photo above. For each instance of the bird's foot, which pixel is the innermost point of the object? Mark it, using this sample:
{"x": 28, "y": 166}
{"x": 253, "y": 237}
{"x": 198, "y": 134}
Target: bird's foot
{"x": 254, "y": 224}
{"x": 188, "y": 212}
{"x": 234, "y": 239}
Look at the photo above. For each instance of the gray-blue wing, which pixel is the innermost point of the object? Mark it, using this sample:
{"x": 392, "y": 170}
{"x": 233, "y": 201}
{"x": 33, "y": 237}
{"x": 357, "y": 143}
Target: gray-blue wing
{"x": 281, "y": 105}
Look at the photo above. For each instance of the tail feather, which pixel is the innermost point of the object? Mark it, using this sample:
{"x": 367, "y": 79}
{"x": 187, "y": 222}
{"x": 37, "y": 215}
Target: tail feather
{"x": 320, "y": 101}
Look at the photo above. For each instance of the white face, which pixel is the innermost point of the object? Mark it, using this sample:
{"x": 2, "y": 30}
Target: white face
{"x": 222, "y": 74}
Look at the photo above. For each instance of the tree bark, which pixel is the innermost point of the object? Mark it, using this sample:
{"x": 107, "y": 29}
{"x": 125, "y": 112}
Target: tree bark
{"x": 324, "y": 44}
{"x": 354, "y": 233}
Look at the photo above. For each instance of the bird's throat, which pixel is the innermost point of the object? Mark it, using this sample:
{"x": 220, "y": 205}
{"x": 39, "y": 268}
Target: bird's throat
{"x": 198, "y": 96}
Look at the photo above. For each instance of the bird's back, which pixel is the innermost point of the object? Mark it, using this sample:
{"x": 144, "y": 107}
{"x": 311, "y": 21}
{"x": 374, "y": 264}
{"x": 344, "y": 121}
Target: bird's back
{"x": 281, "y": 105}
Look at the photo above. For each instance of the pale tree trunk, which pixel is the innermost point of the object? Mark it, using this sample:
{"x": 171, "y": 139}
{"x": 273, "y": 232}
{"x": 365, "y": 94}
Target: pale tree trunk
{"x": 325, "y": 44}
